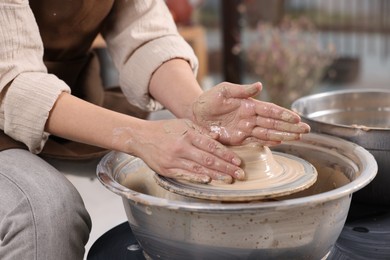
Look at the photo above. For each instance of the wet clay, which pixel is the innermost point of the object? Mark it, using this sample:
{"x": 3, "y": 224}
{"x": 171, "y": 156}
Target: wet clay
{"x": 267, "y": 175}
{"x": 262, "y": 169}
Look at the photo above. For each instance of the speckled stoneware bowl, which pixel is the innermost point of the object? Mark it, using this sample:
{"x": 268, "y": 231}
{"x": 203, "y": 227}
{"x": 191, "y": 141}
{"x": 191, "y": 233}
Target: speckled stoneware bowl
{"x": 304, "y": 225}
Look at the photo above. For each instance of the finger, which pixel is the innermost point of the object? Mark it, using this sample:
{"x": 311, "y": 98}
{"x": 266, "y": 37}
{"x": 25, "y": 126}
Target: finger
{"x": 265, "y": 109}
{"x": 215, "y": 167}
{"x": 271, "y": 123}
{"x": 188, "y": 176}
{"x": 250, "y": 140}
{"x": 240, "y": 91}
{"x": 193, "y": 171}
{"x": 213, "y": 147}
{"x": 274, "y": 135}
{"x": 211, "y": 158}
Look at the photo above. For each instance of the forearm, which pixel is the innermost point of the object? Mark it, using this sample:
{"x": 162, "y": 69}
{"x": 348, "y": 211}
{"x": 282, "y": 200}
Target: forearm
{"x": 174, "y": 85}
{"x": 78, "y": 120}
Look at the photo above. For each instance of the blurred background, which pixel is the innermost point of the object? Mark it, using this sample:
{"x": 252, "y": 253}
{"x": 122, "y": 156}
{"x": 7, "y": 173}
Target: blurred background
{"x": 294, "y": 47}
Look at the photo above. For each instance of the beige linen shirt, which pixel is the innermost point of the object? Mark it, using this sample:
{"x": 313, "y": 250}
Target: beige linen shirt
{"x": 140, "y": 36}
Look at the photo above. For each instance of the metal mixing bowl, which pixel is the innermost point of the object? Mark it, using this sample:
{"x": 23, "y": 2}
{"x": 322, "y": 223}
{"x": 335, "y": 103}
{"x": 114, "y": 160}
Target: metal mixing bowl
{"x": 361, "y": 116}
{"x": 304, "y": 225}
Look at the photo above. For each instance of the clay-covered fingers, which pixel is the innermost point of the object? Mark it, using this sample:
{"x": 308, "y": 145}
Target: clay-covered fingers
{"x": 220, "y": 163}
{"x": 270, "y": 110}
{"x": 200, "y": 158}
{"x": 274, "y": 135}
{"x": 195, "y": 172}
{"x": 179, "y": 173}
{"x": 178, "y": 148}
{"x": 271, "y": 131}
{"x": 275, "y": 123}
{"x": 251, "y": 139}
{"x": 282, "y": 126}
{"x": 192, "y": 171}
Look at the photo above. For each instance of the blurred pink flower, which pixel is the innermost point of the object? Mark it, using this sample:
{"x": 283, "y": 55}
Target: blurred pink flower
{"x": 289, "y": 59}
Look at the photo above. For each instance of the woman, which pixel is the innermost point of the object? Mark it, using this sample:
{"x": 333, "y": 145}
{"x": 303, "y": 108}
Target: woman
{"x": 45, "y": 56}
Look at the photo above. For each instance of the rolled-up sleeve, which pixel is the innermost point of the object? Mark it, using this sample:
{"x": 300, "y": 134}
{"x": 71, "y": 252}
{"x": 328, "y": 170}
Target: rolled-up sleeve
{"x": 141, "y": 36}
{"x": 28, "y": 92}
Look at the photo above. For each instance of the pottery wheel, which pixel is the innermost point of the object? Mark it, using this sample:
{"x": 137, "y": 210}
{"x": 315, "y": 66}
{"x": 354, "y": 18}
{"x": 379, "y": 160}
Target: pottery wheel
{"x": 268, "y": 175}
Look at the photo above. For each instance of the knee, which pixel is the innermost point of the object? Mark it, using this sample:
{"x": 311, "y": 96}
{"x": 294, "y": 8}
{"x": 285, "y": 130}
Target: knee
{"x": 59, "y": 205}
{"x": 41, "y": 208}
{"x": 63, "y": 218}
{"x": 45, "y": 213}
{"x": 51, "y": 201}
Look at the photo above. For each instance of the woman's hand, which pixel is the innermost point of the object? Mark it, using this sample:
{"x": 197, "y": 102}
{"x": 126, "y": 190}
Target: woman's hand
{"x": 229, "y": 111}
{"x": 178, "y": 148}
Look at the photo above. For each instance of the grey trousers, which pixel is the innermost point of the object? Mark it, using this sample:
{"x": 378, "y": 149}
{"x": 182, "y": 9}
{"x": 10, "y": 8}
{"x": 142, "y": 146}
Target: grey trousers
{"x": 42, "y": 215}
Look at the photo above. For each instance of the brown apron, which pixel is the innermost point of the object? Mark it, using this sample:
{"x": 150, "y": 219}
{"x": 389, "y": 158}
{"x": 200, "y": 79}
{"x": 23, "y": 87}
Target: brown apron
{"x": 67, "y": 37}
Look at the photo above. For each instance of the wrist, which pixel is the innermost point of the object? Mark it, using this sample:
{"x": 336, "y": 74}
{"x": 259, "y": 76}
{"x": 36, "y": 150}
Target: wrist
{"x": 127, "y": 134}
{"x": 174, "y": 85}
{"x": 195, "y": 112}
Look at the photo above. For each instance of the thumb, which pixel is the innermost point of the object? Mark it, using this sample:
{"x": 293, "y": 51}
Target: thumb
{"x": 243, "y": 91}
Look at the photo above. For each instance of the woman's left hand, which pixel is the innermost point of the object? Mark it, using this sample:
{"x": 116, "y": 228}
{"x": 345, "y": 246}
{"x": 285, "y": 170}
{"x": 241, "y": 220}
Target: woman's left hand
{"x": 230, "y": 111}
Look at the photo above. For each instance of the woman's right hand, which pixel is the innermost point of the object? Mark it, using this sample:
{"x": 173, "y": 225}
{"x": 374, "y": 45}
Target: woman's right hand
{"x": 178, "y": 148}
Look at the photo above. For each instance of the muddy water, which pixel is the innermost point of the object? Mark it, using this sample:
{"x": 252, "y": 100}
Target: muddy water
{"x": 329, "y": 178}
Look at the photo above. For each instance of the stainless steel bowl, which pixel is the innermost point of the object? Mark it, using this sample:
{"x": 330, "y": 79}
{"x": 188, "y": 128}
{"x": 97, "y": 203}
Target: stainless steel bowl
{"x": 304, "y": 225}
{"x": 361, "y": 116}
